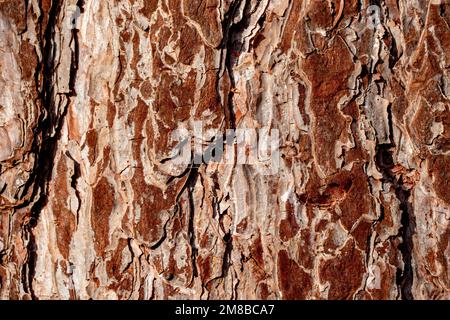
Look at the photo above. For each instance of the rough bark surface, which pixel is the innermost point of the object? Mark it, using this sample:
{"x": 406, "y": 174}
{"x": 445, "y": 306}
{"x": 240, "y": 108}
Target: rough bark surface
{"x": 91, "y": 205}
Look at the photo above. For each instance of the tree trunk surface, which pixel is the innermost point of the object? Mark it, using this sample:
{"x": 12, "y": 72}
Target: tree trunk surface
{"x": 353, "y": 203}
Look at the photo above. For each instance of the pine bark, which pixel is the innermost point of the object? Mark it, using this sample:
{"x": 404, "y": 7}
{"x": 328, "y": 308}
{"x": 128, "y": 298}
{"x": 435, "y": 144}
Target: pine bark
{"x": 92, "y": 206}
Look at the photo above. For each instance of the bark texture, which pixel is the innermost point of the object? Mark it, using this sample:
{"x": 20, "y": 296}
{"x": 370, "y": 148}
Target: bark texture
{"x": 91, "y": 205}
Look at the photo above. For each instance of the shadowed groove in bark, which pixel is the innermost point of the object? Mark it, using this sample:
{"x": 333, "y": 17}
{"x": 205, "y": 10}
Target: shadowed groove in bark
{"x": 405, "y": 277}
{"x": 74, "y": 182}
{"x": 49, "y": 128}
{"x": 385, "y": 162}
{"x": 234, "y": 42}
{"x": 44, "y": 150}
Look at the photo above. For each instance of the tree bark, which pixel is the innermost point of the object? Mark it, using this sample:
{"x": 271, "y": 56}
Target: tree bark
{"x": 93, "y": 204}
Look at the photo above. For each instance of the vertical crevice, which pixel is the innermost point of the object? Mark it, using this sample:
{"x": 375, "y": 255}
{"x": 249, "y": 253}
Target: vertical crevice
{"x": 233, "y": 46}
{"x": 190, "y": 185}
{"x": 406, "y": 277}
{"x": 228, "y": 239}
{"x": 44, "y": 149}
